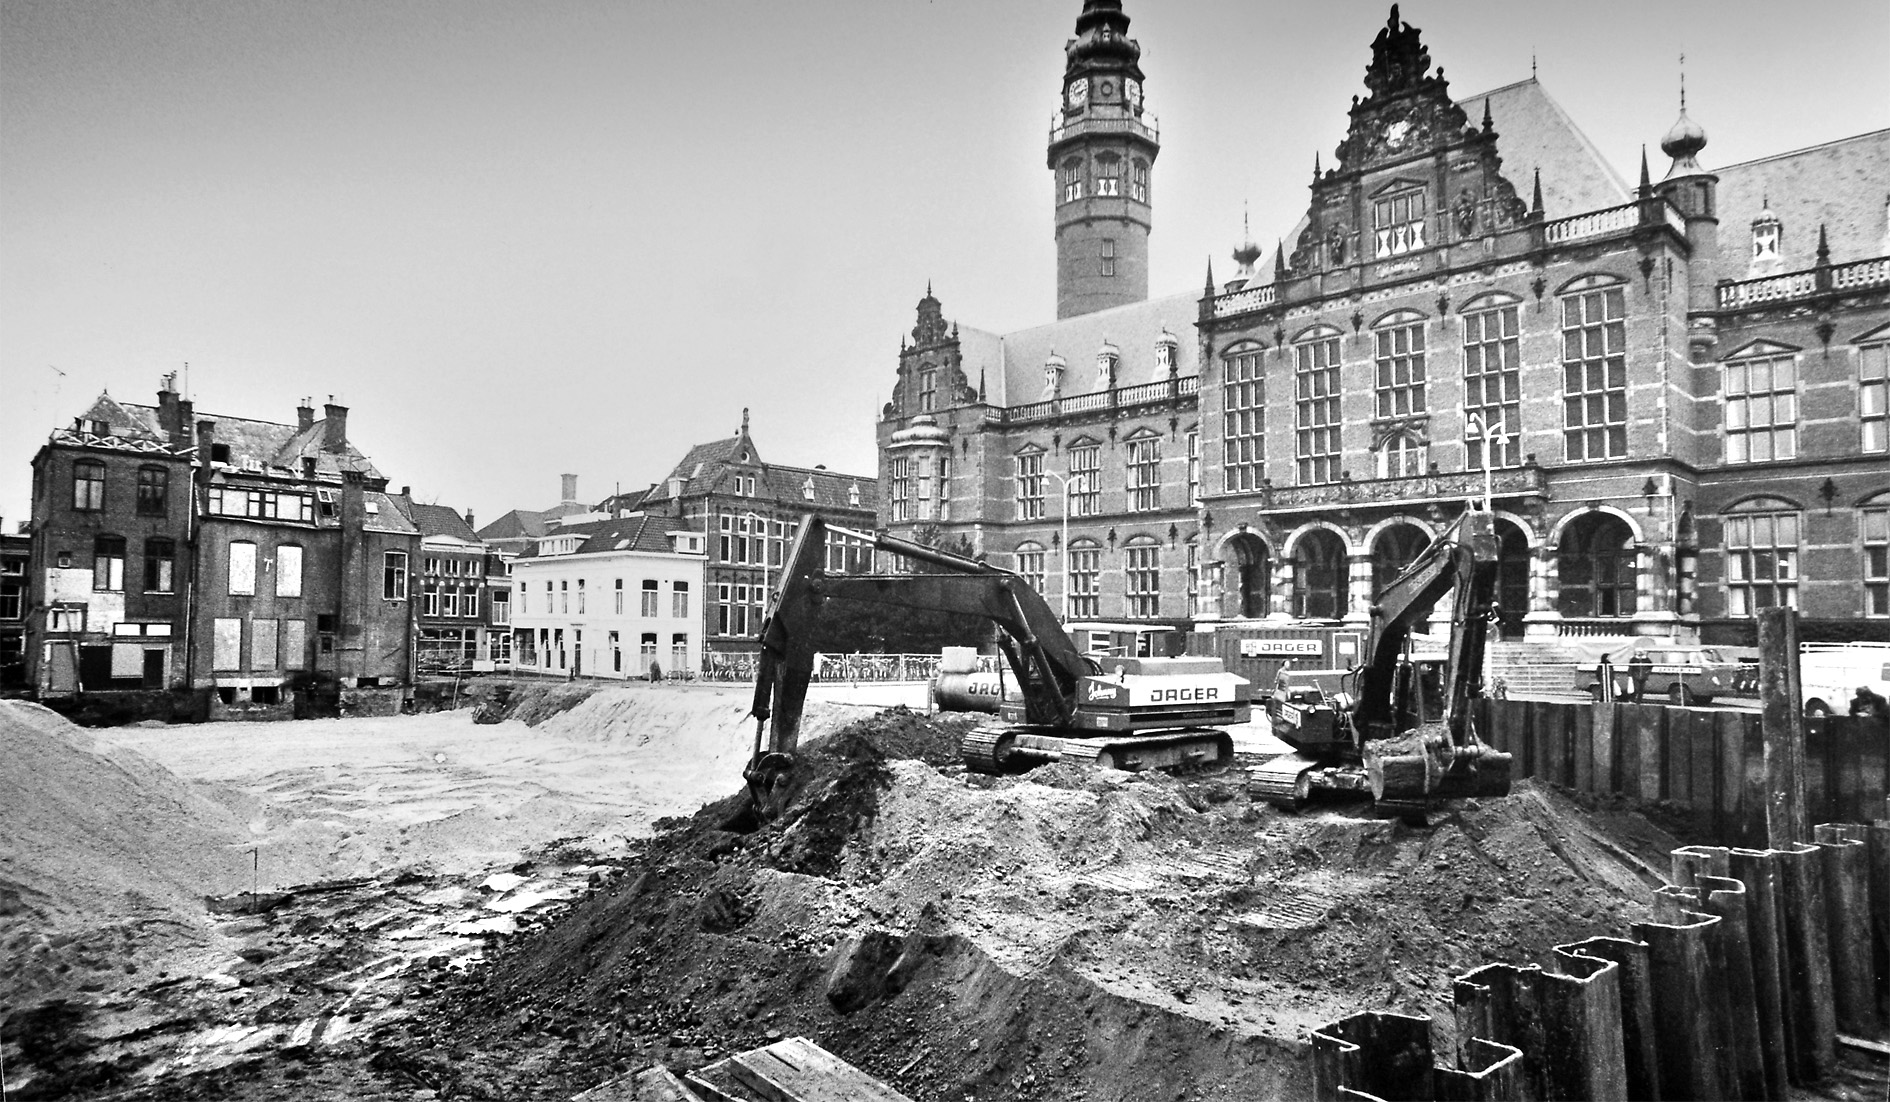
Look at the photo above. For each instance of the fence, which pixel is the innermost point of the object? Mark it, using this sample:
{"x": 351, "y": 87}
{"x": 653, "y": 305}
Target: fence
{"x": 839, "y": 667}
{"x": 1709, "y": 763}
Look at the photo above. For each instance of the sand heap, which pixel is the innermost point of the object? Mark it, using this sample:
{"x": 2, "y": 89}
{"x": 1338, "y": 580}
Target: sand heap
{"x": 1068, "y": 934}
{"x": 103, "y": 855}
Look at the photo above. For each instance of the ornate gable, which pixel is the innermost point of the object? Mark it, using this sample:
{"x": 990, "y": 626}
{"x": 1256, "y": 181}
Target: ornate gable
{"x": 1413, "y": 173}
{"x": 934, "y": 351}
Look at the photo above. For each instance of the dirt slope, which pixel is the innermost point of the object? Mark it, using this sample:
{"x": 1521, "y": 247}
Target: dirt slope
{"x": 1064, "y": 935}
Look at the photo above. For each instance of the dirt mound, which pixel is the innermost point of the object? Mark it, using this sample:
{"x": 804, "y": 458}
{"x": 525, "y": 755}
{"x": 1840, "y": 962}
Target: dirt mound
{"x": 104, "y": 855}
{"x": 1067, "y": 934}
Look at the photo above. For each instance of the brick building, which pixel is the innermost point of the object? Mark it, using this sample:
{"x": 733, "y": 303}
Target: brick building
{"x": 1681, "y": 381}
{"x": 454, "y": 613}
{"x": 173, "y": 551}
{"x": 748, "y": 511}
{"x": 16, "y": 553}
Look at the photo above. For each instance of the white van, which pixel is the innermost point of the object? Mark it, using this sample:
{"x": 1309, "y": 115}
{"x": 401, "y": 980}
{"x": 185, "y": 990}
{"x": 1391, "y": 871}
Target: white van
{"x": 1831, "y": 673}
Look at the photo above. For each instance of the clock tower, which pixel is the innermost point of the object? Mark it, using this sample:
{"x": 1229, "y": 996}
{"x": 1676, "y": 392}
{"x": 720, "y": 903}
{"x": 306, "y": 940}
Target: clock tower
{"x": 1102, "y": 146}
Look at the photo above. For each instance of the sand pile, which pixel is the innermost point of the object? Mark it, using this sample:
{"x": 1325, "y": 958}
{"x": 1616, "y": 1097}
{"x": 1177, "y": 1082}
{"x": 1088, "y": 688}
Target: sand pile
{"x": 1067, "y": 934}
{"x": 104, "y": 855}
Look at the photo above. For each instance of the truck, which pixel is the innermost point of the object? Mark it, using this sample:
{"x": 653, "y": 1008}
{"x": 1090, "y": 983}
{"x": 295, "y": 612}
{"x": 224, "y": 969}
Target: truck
{"x": 1832, "y": 672}
{"x": 1398, "y": 731}
{"x": 1064, "y": 705}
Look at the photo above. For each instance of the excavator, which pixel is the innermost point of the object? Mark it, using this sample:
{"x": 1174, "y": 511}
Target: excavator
{"x": 1379, "y": 729}
{"x": 1122, "y": 713}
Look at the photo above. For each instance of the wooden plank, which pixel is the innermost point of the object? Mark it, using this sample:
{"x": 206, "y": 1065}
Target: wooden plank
{"x": 1814, "y": 784}
{"x": 1542, "y": 757}
{"x": 1847, "y": 776}
{"x": 798, "y": 1070}
{"x": 1627, "y": 753}
{"x": 1874, "y": 770}
{"x": 1703, "y": 786}
{"x": 1579, "y": 721}
{"x": 1729, "y": 754}
{"x": 1783, "y": 715}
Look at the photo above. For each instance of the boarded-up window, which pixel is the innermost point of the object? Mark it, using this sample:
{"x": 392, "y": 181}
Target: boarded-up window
{"x": 262, "y": 645}
{"x": 289, "y": 571}
{"x": 242, "y": 567}
{"x": 295, "y": 644}
{"x": 227, "y": 651}
{"x": 127, "y": 660}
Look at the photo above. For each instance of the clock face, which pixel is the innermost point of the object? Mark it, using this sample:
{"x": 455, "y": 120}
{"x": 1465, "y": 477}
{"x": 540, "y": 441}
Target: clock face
{"x": 1078, "y": 92}
{"x": 1397, "y": 134}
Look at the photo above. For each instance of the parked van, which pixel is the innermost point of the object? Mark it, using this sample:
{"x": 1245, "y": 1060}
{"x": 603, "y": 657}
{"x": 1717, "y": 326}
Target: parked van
{"x": 1831, "y": 672}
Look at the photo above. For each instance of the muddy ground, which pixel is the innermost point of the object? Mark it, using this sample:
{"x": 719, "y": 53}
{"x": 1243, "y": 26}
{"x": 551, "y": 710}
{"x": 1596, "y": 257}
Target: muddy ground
{"x": 1062, "y": 935}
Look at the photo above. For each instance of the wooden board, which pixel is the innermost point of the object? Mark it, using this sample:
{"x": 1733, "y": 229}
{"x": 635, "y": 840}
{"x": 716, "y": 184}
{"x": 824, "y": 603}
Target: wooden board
{"x": 655, "y": 1084}
{"x": 798, "y": 1070}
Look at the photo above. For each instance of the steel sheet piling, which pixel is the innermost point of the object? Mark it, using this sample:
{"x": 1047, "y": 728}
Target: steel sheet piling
{"x": 1756, "y": 869}
{"x": 1846, "y": 867}
{"x": 1686, "y": 1038}
{"x": 1640, "y": 1055}
{"x": 1731, "y": 944}
{"x": 1583, "y": 1057}
{"x": 1810, "y": 1018}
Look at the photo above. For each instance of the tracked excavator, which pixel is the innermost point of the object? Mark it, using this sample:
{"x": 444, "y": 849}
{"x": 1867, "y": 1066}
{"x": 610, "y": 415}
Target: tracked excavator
{"x": 1121, "y": 713}
{"x": 1380, "y": 730}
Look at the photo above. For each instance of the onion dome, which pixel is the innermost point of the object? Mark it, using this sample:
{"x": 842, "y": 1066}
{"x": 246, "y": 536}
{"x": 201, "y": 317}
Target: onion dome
{"x": 922, "y": 433}
{"x": 1683, "y": 143}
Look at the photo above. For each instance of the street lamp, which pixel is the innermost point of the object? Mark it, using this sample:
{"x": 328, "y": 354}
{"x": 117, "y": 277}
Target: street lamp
{"x": 1066, "y": 483}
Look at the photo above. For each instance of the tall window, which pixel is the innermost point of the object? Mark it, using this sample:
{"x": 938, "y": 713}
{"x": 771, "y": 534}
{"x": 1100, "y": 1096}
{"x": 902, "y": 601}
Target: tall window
{"x": 1398, "y": 223}
{"x": 646, "y": 651}
{"x": 928, "y": 388}
{"x": 1320, "y": 577}
{"x": 159, "y": 566}
{"x": 679, "y": 600}
{"x": 1873, "y": 364}
{"x": 1594, "y": 374}
{"x": 1400, "y": 362}
{"x": 1143, "y": 562}
{"x": 1194, "y": 466}
{"x": 901, "y": 468}
{"x": 1761, "y": 559}
{"x": 1317, "y": 382}
{"x": 615, "y": 642}
{"x": 922, "y": 479}
{"x": 1085, "y": 578}
{"x": 1108, "y": 177}
{"x": 649, "y": 606}
{"x": 678, "y": 653}
{"x": 154, "y": 485}
{"x": 429, "y": 599}
{"x": 1145, "y": 473}
{"x": 943, "y": 489}
{"x": 1243, "y": 428}
{"x": 1761, "y": 410}
{"x": 1138, "y": 181}
{"x": 580, "y": 582}
{"x": 108, "y": 563}
{"x": 617, "y": 598}
{"x": 1108, "y": 256}
{"x": 289, "y": 570}
{"x": 1194, "y": 577}
{"x": 394, "y": 575}
{"x": 1030, "y": 564}
{"x": 1086, "y": 480}
{"x": 1072, "y": 180}
{"x": 1030, "y": 485}
{"x": 88, "y": 485}
{"x": 1875, "y": 525}
{"x": 242, "y": 568}
{"x": 1402, "y": 455}
{"x": 1492, "y": 382}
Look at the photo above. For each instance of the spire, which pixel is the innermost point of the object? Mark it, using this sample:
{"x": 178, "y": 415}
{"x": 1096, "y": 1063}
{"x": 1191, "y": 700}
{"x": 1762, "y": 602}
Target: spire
{"x": 981, "y": 386}
{"x": 1824, "y": 248}
{"x": 1315, "y": 166}
{"x": 1488, "y": 123}
{"x": 744, "y": 421}
{"x": 1535, "y": 200}
{"x": 1279, "y": 260}
{"x": 1685, "y": 139}
{"x": 1209, "y": 287}
{"x": 1246, "y": 252}
{"x": 1647, "y": 186}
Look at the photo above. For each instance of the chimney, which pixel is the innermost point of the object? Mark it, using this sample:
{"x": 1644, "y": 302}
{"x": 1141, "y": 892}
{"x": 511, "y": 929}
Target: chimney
{"x": 469, "y": 521}
{"x": 206, "y": 440}
{"x": 570, "y": 487}
{"x": 167, "y": 407}
{"x": 406, "y": 491}
{"x": 335, "y": 428}
{"x": 304, "y": 416}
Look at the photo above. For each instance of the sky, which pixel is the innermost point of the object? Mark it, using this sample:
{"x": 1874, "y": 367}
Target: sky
{"x": 525, "y": 239}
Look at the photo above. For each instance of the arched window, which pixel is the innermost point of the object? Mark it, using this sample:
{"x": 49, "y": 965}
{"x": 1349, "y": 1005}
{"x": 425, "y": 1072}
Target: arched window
{"x": 1761, "y": 547}
{"x": 1085, "y": 578}
{"x": 1142, "y": 560}
{"x": 1396, "y": 548}
{"x": 1319, "y": 576}
{"x": 1028, "y": 560}
{"x": 1596, "y": 567}
{"x": 1402, "y": 455}
{"x": 1249, "y": 569}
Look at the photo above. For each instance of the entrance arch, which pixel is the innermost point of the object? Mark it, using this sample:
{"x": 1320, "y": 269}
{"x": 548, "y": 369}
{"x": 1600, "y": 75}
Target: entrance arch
{"x": 1248, "y": 567}
{"x": 1596, "y": 563}
{"x": 1320, "y": 576}
{"x": 1512, "y": 577}
{"x": 1396, "y": 547}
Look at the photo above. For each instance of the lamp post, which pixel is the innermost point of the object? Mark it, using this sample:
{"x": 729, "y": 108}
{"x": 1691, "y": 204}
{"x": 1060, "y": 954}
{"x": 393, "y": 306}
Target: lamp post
{"x": 1065, "y": 482}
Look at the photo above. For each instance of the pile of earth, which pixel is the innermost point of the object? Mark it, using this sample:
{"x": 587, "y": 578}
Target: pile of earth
{"x": 1067, "y": 934}
{"x": 105, "y": 857}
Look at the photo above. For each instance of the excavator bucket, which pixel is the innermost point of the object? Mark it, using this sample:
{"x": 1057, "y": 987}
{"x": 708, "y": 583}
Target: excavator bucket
{"x": 1417, "y": 770}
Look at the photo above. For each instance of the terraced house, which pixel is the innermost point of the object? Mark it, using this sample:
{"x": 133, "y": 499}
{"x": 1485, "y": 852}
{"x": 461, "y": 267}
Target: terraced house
{"x": 1671, "y": 392}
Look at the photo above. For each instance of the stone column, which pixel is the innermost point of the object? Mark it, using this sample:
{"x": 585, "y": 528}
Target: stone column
{"x": 1280, "y": 599}
{"x": 1359, "y": 591}
{"x": 1544, "y": 591}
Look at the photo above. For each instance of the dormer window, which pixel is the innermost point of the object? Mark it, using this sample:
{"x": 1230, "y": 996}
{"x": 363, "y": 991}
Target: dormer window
{"x": 853, "y": 495}
{"x": 807, "y": 488}
{"x": 1398, "y": 223}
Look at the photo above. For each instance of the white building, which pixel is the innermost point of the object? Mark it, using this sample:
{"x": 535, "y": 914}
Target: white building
{"x": 610, "y": 598}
